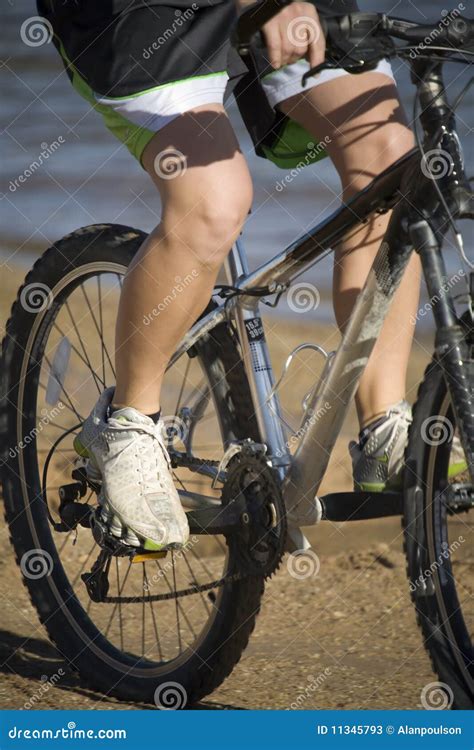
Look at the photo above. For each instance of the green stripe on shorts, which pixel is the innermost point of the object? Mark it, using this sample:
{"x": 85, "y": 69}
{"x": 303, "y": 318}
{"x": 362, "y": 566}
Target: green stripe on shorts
{"x": 134, "y": 137}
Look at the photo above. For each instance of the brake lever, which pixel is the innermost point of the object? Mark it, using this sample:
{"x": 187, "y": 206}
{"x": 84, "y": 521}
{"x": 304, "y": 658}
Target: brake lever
{"x": 326, "y": 65}
{"x": 359, "y": 66}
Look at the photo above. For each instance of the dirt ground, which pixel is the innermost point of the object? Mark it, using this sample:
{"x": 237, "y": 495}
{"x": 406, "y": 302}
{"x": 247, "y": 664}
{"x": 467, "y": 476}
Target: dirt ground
{"x": 344, "y": 638}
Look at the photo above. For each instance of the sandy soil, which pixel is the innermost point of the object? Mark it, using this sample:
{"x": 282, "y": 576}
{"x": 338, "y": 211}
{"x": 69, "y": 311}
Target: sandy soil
{"x": 346, "y": 638}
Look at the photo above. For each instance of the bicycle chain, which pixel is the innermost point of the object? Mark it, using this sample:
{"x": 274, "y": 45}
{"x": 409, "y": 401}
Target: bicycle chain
{"x": 197, "y": 589}
{"x": 188, "y": 461}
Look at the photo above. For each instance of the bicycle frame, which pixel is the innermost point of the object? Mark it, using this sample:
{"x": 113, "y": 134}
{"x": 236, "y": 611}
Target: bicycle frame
{"x": 400, "y": 187}
{"x": 303, "y": 473}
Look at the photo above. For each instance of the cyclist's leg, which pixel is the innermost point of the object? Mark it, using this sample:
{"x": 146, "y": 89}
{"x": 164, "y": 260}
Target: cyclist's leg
{"x": 203, "y": 208}
{"x": 162, "y": 97}
{"x": 366, "y": 128}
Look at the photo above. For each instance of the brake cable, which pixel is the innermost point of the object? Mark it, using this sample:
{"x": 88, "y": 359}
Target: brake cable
{"x": 45, "y": 473}
{"x": 227, "y": 292}
{"x": 459, "y": 242}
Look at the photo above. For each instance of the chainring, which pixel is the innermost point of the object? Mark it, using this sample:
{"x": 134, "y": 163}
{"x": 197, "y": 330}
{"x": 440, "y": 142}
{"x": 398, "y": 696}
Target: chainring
{"x": 258, "y": 544}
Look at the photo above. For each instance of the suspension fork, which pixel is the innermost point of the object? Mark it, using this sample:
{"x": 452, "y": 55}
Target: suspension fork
{"x": 452, "y": 351}
{"x": 427, "y": 229}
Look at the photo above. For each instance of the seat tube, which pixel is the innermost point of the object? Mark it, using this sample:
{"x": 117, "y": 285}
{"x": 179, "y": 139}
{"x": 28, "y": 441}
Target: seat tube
{"x": 256, "y": 358}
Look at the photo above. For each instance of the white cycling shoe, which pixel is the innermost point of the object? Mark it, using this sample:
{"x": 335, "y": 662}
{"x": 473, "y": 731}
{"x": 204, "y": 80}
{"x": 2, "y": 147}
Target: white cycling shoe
{"x": 378, "y": 463}
{"x": 127, "y": 455}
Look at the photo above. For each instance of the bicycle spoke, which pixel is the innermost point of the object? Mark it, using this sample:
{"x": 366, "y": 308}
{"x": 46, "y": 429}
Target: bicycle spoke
{"x": 84, "y": 358}
{"x": 177, "y": 602}
{"x": 117, "y": 573}
{"x": 101, "y": 323}
{"x": 98, "y": 330}
{"x": 155, "y": 627}
{"x": 117, "y": 604}
{"x": 176, "y": 605}
{"x": 195, "y": 581}
{"x": 143, "y": 610}
{"x": 71, "y": 405}
{"x": 183, "y": 385}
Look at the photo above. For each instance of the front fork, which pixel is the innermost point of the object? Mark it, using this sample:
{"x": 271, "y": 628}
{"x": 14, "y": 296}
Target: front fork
{"x": 452, "y": 350}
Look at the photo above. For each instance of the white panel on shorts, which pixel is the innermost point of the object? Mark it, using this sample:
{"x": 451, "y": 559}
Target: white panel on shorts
{"x": 281, "y": 84}
{"x": 156, "y": 108}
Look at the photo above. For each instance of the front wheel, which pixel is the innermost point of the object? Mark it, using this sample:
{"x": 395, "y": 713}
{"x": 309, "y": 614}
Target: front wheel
{"x": 173, "y": 625}
{"x": 438, "y": 531}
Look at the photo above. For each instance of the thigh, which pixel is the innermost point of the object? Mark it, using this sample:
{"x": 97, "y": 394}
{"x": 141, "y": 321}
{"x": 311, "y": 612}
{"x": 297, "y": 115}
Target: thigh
{"x": 361, "y": 120}
{"x": 196, "y": 161}
{"x": 141, "y": 65}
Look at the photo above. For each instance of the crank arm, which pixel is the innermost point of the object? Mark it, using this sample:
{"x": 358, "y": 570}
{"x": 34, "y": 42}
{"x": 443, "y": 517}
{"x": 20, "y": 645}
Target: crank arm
{"x": 218, "y": 520}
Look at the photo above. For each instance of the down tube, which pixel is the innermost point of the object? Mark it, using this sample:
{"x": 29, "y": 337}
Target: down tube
{"x": 327, "y": 410}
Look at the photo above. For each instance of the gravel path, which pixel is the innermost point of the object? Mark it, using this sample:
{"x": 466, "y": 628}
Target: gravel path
{"x": 345, "y": 638}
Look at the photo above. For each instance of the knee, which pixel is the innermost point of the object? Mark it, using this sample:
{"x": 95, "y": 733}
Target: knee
{"x": 211, "y": 223}
{"x": 381, "y": 149}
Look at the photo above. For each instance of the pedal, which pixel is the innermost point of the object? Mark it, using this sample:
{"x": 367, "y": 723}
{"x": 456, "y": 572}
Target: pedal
{"x": 142, "y": 557}
{"x": 116, "y": 546}
{"x": 112, "y": 545}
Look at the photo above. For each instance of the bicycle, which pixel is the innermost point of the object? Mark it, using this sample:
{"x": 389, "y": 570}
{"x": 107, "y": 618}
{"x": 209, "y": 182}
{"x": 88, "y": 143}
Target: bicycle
{"x": 242, "y": 488}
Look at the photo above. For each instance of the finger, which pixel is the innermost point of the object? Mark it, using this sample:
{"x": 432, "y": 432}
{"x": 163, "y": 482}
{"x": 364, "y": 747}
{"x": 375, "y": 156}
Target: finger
{"x": 316, "y": 51}
{"x": 288, "y": 52}
{"x": 272, "y": 38}
{"x": 300, "y": 31}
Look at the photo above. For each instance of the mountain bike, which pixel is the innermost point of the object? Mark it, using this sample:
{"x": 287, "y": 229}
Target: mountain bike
{"x": 170, "y": 626}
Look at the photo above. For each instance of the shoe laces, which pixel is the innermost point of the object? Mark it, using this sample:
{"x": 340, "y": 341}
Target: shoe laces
{"x": 147, "y": 455}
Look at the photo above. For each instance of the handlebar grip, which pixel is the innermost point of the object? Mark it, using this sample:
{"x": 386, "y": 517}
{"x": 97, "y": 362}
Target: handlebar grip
{"x": 251, "y": 21}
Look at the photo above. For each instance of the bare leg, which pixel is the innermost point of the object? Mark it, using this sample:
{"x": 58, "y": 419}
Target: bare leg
{"x": 363, "y": 118}
{"x": 205, "y": 189}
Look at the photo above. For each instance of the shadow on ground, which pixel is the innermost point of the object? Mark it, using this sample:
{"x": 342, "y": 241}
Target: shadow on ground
{"x": 37, "y": 660}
